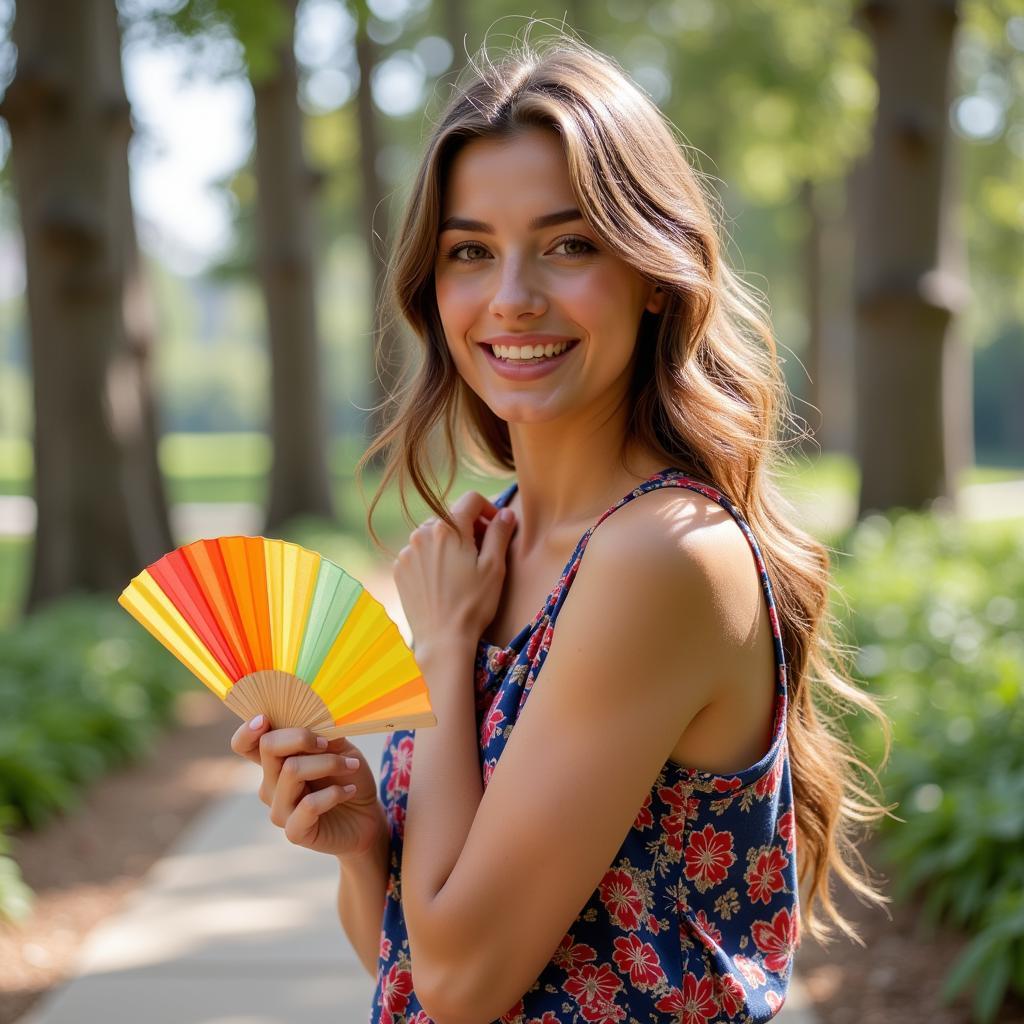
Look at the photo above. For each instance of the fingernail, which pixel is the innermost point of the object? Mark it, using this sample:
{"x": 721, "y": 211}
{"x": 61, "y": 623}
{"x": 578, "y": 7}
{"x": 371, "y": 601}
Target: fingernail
{"x": 256, "y": 722}
{"x": 351, "y": 762}
{"x": 506, "y": 515}
{"x": 321, "y": 742}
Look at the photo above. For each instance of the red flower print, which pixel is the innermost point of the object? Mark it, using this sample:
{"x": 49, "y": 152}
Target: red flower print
{"x": 570, "y": 954}
{"x": 768, "y": 784}
{"x": 708, "y": 857}
{"x": 774, "y": 1000}
{"x": 397, "y": 814}
{"x": 680, "y": 797}
{"x": 787, "y": 829}
{"x": 750, "y": 969}
{"x": 489, "y": 767}
{"x": 652, "y": 924}
{"x": 589, "y": 985}
{"x": 706, "y": 928}
{"x": 548, "y": 1018}
{"x": 621, "y": 899}
{"x": 534, "y": 644}
{"x": 777, "y": 940}
{"x": 725, "y": 785}
{"x": 397, "y": 985}
{"x": 731, "y": 996}
{"x": 764, "y": 878}
{"x": 494, "y": 718}
{"x": 401, "y": 766}
{"x": 644, "y": 818}
{"x": 684, "y": 807}
{"x": 385, "y": 946}
{"x": 640, "y": 959}
{"x": 513, "y": 1013}
{"x": 695, "y": 1004}
{"x": 420, "y": 1017}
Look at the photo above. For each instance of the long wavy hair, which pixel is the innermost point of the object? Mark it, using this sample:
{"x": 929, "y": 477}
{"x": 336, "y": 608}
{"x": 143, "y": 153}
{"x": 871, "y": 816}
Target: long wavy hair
{"x": 708, "y": 394}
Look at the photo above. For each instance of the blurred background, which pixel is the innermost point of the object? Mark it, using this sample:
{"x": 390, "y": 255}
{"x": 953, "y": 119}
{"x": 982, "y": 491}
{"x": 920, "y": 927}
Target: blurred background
{"x": 197, "y": 199}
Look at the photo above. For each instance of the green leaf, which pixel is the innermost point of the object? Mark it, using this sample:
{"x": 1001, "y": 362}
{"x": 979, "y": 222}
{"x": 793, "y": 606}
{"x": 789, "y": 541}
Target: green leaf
{"x": 992, "y": 987}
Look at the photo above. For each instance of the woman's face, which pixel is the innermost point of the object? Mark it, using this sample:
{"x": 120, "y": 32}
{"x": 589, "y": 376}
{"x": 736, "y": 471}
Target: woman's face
{"x": 506, "y": 276}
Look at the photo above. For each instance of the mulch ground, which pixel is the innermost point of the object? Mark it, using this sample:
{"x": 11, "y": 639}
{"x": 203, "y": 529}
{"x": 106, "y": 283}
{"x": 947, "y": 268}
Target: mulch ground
{"x": 83, "y": 865}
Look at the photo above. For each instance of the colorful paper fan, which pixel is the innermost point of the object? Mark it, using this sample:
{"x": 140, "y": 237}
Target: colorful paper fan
{"x": 271, "y": 627}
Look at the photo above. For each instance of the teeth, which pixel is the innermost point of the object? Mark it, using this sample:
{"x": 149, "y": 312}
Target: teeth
{"x": 529, "y": 351}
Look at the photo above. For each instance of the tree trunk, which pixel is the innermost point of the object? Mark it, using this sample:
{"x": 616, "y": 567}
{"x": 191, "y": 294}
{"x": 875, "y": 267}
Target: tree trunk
{"x": 101, "y": 514}
{"x": 828, "y": 265}
{"x": 817, "y": 414}
{"x": 386, "y": 343}
{"x": 299, "y": 478}
{"x": 911, "y": 389}
{"x": 458, "y": 31}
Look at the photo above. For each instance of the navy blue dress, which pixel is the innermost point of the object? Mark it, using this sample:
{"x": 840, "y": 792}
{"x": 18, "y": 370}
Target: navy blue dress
{"x": 697, "y": 917}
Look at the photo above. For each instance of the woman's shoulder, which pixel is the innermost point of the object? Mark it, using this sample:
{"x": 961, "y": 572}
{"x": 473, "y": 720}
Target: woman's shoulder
{"x": 676, "y": 516}
{"x": 674, "y": 531}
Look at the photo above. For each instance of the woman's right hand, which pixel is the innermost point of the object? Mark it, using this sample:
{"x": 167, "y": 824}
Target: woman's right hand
{"x": 304, "y": 788}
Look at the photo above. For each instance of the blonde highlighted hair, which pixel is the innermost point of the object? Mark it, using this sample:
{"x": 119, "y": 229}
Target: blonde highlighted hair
{"x": 708, "y": 395}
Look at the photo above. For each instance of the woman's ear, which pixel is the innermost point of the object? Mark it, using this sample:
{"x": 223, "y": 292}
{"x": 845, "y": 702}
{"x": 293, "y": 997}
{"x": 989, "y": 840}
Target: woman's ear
{"x": 656, "y": 300}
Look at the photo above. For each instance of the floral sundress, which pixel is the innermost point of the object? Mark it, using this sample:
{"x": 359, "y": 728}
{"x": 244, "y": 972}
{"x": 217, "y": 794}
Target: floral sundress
{"x": 696, "y": 919}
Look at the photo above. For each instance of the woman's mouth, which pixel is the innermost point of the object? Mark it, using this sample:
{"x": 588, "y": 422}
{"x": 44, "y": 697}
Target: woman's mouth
{"x": 530, "y": 368}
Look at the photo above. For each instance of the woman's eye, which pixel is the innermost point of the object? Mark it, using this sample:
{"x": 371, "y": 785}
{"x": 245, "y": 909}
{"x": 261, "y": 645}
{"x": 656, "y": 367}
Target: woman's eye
{"x": 453, "y": 253}
{"x": 588, "y": 248}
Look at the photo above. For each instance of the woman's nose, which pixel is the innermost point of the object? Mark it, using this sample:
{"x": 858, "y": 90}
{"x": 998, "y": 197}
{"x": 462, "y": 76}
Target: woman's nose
{"x": 516, "y": 292}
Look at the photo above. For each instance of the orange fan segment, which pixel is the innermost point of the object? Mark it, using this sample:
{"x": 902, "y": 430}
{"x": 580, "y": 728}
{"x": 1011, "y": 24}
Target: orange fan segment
{"x": 417, "y": 702}
{"x": 243, "y": 557}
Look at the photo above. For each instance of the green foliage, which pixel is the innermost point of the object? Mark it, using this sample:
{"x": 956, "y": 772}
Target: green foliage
{"x": 260, "y": 26}
{"x": 84, "y": 690}
{"x": 939, "y": 623}
{"x": 16, "y": 898}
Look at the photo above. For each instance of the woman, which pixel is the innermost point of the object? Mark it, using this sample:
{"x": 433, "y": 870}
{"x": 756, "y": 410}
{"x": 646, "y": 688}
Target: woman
{"x": 626, "y": 850}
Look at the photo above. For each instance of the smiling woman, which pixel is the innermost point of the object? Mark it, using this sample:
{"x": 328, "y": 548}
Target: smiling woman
{"x": 604, "y": 823}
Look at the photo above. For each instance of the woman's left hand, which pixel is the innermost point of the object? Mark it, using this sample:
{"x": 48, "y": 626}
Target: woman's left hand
{"x": 450, "y": 589}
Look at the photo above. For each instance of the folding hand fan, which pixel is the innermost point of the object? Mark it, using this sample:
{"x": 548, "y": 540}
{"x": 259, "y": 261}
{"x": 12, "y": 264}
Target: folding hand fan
{"x": 270, "y": 626}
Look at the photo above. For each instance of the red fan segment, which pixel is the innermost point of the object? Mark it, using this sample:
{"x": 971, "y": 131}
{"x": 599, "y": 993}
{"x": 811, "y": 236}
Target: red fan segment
{"x": 207, "y": 561}
{"x": 176, "y": 579}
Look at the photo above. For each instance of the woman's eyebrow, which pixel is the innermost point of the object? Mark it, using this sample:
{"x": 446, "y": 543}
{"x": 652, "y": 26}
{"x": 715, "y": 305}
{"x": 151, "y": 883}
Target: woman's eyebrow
{"x": 546, "y": 220}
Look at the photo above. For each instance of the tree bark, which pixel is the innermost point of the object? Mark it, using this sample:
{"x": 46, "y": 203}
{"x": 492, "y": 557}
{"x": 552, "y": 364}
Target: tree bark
{"x": 101, "y": 513}
{"x": 386, "y": 343}
{"x": 913, "y": 396}
{"x": 457, "y": 29}
{"x": 299, "y": 478}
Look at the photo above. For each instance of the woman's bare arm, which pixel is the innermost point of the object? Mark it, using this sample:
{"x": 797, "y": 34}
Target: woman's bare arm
{"x": 361, "y": 894}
